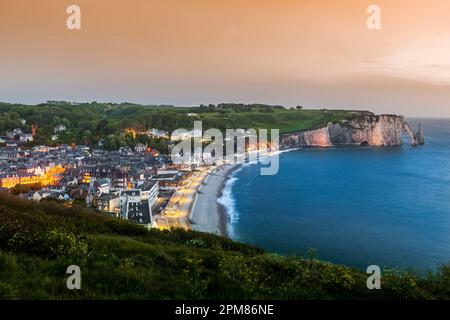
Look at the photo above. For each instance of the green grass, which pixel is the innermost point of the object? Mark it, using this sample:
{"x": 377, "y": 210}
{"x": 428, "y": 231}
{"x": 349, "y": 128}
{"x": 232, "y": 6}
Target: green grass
{"x": 120, "y": 260}
{"x": 286, "y": 121}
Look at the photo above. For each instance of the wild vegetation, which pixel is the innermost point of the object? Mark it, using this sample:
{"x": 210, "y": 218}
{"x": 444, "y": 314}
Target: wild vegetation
{"x": 120, "y": 260}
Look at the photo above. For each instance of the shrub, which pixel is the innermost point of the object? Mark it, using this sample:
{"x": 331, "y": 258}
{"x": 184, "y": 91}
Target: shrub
{"x": 67, "y": 245}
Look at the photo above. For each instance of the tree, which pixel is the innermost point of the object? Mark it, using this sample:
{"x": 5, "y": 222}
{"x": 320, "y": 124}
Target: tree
{"x": 102, "y": 125}
{"x": 57, "y": 121}
{"x": 87, "y": 136}
{"x": 19, "y": 189}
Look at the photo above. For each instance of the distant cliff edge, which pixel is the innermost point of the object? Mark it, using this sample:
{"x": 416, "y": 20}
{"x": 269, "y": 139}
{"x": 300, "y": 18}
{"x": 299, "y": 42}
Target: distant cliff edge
{"x": 364, "y": 129}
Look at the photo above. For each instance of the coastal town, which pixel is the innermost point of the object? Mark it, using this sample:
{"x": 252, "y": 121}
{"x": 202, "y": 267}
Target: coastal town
{"x": 127, "y": 173}
{"x": 137, "y": 184}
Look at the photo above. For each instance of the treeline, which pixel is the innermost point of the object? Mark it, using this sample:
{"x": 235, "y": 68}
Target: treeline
{"x": 236, "y": 107}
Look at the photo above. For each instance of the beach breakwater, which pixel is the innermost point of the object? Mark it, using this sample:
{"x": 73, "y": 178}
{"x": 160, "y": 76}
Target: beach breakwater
{"x": 364, "y": 129}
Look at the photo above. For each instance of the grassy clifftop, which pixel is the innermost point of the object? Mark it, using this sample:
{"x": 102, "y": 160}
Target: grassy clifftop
{"x": 120, "y": 260}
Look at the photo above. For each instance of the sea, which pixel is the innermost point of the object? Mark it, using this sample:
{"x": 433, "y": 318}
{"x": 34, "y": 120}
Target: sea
{"x": 356, "y": 206}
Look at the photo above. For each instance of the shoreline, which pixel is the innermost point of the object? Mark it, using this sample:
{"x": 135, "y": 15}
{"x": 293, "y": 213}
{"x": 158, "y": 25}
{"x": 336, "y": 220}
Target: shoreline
{"x": 208, "y": 215}
{"x": 224, "y": 218}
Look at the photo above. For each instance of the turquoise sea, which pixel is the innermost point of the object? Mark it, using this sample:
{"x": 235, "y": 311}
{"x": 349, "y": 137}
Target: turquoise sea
{"x": 356, "y": 206}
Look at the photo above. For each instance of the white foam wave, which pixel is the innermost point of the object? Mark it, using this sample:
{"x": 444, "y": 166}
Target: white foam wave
{"x": 228, "y": 201}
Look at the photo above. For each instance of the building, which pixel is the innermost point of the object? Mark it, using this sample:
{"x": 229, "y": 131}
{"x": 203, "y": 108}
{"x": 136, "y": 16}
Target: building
{"x": 118, "y": 178}
{"x": 8, "y": 180}
{"x": 9, "y": 154}
{"x": 127, "y": 196}
{"x": 109, "y": 203}
{"x": 156, "y": 133}
{"x": 140, "y": 213}
{"x": 58, "y": 195}
{"x": 26, "y": 137}
{"x": 136, "y": 205}
{"x": 101, "y": 186}
{"x": 59, "y": 128}
{"x": 37, "y": 195}
{"x": 11, "y": 135}
{"x": 69, "y": 181}
{"x": 150, "y": 191}
{"x": 51, "y": 177}
{"x": 169, "y": 179}
{"x": 18, "y": 134}
{"x": 140, "y": 148}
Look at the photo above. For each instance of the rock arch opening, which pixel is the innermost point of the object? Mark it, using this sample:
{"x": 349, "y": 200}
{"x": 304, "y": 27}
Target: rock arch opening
{"x": 415, "y": 138}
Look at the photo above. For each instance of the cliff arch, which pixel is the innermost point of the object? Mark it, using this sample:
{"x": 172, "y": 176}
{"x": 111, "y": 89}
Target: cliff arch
{"x": 409, "y": 131}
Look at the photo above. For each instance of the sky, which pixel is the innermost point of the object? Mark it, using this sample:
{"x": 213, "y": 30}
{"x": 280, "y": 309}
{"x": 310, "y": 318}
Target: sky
{"x": 318, "y": 54}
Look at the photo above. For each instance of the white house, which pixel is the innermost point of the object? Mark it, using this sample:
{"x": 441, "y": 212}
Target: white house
{"x": 59, "y": 128}
{"x": 38, "y": 195}
{"x": 156, "y": 133}
{"x": 26, "y": 137}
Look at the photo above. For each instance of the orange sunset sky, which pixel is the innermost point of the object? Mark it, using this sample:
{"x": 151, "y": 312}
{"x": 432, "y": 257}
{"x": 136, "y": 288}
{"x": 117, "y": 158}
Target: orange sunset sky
{"x": 184, "y": 52}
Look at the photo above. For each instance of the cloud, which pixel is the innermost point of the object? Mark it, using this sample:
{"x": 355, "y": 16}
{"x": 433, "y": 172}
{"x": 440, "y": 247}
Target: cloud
{"x": 426, "y": 60}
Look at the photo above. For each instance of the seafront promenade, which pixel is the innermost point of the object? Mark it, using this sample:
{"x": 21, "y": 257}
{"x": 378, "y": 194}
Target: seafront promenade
{"x": 177, "y": 212}
{"x": 194, "y": 206}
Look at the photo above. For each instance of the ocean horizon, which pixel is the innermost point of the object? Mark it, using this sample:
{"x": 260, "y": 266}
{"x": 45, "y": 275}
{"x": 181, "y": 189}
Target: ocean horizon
{"x": 358, "y": 206}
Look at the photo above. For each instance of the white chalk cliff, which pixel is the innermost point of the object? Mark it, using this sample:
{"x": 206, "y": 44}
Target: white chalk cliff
{"x": 364, "y": 129}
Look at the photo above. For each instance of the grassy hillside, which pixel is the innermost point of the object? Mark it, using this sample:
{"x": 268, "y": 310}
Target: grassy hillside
{"x": 120, "y": 260}
{"x": 286, "y": 121}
